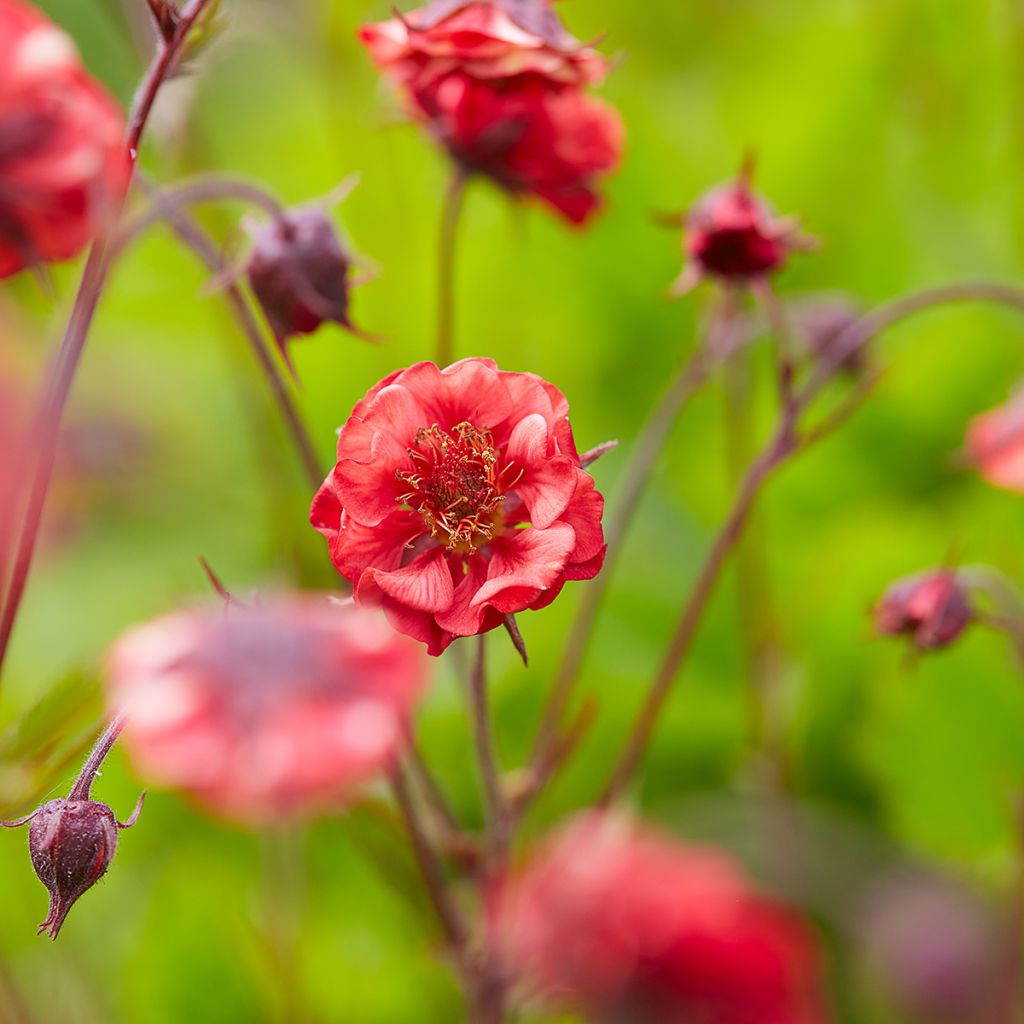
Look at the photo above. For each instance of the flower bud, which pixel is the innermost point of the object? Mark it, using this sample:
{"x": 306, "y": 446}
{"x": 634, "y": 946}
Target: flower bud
{"x": 734, "y": 235}
{"x": 995, "y": 444}
{"x": 932, "y": 608}
{"x": 72, "y": 843}
{"x": 299, "y": 271}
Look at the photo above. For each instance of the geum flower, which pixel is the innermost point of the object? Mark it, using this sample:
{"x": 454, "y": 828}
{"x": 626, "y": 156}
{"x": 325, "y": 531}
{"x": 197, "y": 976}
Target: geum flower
{"x": 501, "y": 85}
{"x": 995, "y": 444}
{"x": 458, "y": 498}
{"x": 269, "y": 712}
{"x": 631, "y": 927}
{"x": 62, "y": 159}
{"x": 931, "y": 608}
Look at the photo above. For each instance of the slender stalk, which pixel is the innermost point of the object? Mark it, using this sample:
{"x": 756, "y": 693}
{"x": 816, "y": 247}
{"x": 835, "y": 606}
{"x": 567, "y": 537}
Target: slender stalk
{"x": 781, "y": 446}
{"x": 450, "y": 215}
{"x": 452, "y": 926}
{"x": 206, "y": 250}
{"x": 487, "y": 760}
{"x": 1007, "y": 995}
{"x": 83, "y": 784}
{"x": 653, "y": 435}
{"x": 90, "y": 288}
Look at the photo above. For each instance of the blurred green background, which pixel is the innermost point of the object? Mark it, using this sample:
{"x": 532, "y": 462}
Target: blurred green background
{"x": 894, "y": 128}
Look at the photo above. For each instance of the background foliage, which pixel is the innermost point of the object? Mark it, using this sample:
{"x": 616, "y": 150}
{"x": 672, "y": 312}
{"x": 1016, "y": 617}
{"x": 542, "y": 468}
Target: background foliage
{"x": 893, "y": 127}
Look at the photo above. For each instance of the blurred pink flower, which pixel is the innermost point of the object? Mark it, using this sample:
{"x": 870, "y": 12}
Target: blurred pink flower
{"x": 62, "y": 159}
{"x": 629, "y": 926}
{"x": 501, "y": 84}
{"x": 995, "y": 444}
{"x": 278, "y": 710}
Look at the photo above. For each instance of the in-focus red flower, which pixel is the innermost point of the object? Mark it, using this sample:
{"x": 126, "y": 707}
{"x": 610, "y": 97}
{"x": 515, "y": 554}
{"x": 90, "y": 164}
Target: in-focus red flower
{"x": 932, "y": 608}
{"x": 278, "y": 710}
{"x": 62, "y": 158}
{"x": 458, "y": 498}
{"x": 626, "y": 925}
{"x": 733, "y": 234}
{"x": 502, "y": 84}
{"x": 995, "y": 444}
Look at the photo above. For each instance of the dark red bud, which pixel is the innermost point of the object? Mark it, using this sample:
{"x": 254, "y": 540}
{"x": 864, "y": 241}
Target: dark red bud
{"x": 72, "y": 843}
{"x": 932, "y": 608}
{"x": 299, "y": 271}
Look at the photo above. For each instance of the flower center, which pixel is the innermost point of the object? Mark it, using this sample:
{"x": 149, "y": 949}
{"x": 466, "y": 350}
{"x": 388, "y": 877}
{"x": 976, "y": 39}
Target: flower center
{"x": 454, "y": 484}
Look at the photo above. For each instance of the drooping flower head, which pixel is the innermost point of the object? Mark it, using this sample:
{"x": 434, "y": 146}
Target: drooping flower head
{"x": 734, "y": 235}
{"x": 62, "y": 158}
{"x": 260, "y": 713}
{"x": 995, "y": 444}
{"x": 502, "y": 86}
{"x": 300, "y": 272}
{"x": 458, "y": 498}
{"x": 932, "y": 608}
{"x": 631, "y": 927}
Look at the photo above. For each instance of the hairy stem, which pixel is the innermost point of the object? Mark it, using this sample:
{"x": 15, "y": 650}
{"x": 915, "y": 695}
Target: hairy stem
{"x": 90, "y": 288}
{"x": 83, "y": 784}
{"x": 450, "y": 216}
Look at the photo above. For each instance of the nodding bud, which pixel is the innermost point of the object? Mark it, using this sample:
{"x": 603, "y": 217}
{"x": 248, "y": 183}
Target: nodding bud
{"x": 72, "y": 843}
{"x": 299, "y": 271}
{"x": 932, "y": 608}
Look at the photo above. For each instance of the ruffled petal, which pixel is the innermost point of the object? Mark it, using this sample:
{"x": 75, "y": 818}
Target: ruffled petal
{"x": 547, "y": 483}
{"x": 424, "y": 585}
{"x": 470, "y": 390}
{"x": 583, "y": 514}
{"x": 355, "y": 548}
{"x": 530, "y": 559}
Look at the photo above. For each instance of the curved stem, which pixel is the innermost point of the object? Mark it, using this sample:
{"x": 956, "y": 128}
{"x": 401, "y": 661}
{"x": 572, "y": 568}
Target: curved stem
{"x": 83, "y": 784}
{"x": 173, "y": 199}
{"x": 652, "y": 438}
{"x": 450, "y": 215}
{"x": 90, "y": 288}
{"x": 203, "y": 246}
{"x": 783, "y": 444}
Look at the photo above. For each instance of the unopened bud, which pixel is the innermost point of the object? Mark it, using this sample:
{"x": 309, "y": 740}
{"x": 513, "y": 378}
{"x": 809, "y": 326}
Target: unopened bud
{"x": 932, "y": 608}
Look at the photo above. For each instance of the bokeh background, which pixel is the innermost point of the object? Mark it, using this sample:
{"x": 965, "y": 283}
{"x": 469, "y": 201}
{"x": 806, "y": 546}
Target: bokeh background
{"x": 894, "y": 128}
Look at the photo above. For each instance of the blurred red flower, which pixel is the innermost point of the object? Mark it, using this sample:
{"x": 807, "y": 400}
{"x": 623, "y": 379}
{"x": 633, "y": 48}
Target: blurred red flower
{"x": 62, "y": 159}
{"x": 630, "y": 926}
{"x": 260, "y": 713}
{"x": 932, "y": 608}
{"x": 995, "y": 444}
{"x": 502, "y": 86}
{"x": 458, "y": 498}
{"x": 733, "y": 234}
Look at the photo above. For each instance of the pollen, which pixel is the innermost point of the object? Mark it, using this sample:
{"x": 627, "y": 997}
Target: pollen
{"x": 455, "y": 485}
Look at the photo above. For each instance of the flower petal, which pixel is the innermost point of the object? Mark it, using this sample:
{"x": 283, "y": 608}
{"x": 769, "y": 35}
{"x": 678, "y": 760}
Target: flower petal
{"x": 532, "y": 559}
{"x": 547, "y": 482}
{"x": 424, "y": 585}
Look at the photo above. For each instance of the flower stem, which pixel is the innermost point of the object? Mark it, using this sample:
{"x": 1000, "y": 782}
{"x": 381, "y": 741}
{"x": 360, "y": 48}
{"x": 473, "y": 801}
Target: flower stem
{"x": 783, "y": 444}
{"x": 487, "y": 760}
{"x": 653, "y": 435}
{"x": 206, "y": 250}
{"x": 450, "y": 216}
{"x": 90, "y": 288}
{"x": 83, "y": 784}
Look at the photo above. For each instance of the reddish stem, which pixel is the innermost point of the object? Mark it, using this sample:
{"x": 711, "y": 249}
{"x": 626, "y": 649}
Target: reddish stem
{"x": 83, "y": 784}
{"x": 90, "y": 288}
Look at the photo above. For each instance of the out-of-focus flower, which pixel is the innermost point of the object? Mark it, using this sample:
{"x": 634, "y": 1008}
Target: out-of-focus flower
{"x": 932, "y": 608}
{"x": 995, "y": 444}
{"x": 300, "y": 272}
{"x": 62, "y": 159}
{"x": 501, "y": 84}
{"x": 268, "y": 712}
{"x": 72, "y": 843}
{"x": 734, "y": 235}
{"x": 633, "y": 928}
{"x": 458, "y": 498}
{"x": 818, "y": 321}
{"x": 934, "y": 947}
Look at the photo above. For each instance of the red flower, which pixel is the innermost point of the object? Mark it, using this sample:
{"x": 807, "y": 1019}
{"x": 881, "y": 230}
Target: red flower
{"x": 733, "y": 234}
{"x": 932, "y": 608}
{"x": 458, "y": 498}
{"x": 995, "y": 444}
{"x": 627, "y": 925}
{"x": 62, "y": 159}
{"x": 277, "y": 710}
{"x": 501, "y": 84}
